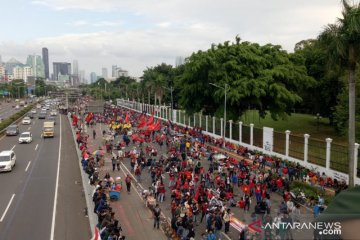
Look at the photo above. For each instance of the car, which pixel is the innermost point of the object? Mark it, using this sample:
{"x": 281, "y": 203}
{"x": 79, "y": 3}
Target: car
{"x": 30, "y": 115}
{"x": 38, "y": 106}
{"x": 25, "y": 105}
{"x": 26, "y": 121}
{"x": 43, "y": 109}
{"x": 7, "y": 160}
{"x": 12, "y": 130}
{"x": 52, "y": 119}
{"x": 53, "y": 113}
{"x": 42, "y": 115}
{"x": 17, "y": 107}
{"x": 25, "y": 137}
{"x": 33, "y": 111}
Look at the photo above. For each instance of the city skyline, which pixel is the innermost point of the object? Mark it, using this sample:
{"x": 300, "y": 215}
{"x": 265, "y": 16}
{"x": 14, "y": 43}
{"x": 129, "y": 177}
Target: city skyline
{"x": 137, "y": 35}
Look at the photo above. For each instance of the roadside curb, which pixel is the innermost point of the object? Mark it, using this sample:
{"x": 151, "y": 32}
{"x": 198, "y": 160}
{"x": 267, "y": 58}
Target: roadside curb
{"x": 88, "y": 189}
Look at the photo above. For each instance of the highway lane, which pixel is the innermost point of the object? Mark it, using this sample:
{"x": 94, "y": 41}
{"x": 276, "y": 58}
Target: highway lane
{"x": 6, "y": 110}
{"x": 30, "y": 213}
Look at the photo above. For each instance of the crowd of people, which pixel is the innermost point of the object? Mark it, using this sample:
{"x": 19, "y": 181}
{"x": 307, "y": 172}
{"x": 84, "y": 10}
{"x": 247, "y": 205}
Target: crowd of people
{"x": 204, "y": 184}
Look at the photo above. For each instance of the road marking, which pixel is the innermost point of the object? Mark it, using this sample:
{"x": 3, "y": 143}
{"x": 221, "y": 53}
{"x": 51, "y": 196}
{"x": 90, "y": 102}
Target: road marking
{"x": 27, "y": 167}
{"x": 13, "y": 147}
{"x": 36, "y": 146}
{"x": 7, "y": 208}
{"x": 56, "y": 191}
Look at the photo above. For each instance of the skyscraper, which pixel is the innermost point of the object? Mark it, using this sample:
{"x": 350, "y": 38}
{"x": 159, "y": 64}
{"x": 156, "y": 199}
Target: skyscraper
{"x": 82, "y": 77}
{"x": 113, "y": 70}
{"x": 93, "y": 77}
{"x": 104, "y": 72}
{"x": 179, "y": 61}
{"x": 75, "y": 67}
{"x": 61, "y": 68}
{"x": 45, "y": 58}
{"x": 37, "y": 64}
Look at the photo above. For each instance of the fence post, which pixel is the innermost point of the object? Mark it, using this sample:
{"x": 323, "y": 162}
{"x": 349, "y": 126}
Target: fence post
{"x": 206, "y": 123}
{"x": 200, "y": 115}
{"x": 306, "y": 146}
{"x": 189, "y": 121}
{"x": 251, "y": 134}
{"x": 230, "y": 130}
{"x": 221, "y": 128}
{"x": 356, "y": 152}
{"x": 194, "y": 119}
{"x": 240, "y": 131}
{"x": 184, "y": 118}
{"x": 328, "y": 152}
{"x": 287, "y": 132}
{"x": 213, "y": 125}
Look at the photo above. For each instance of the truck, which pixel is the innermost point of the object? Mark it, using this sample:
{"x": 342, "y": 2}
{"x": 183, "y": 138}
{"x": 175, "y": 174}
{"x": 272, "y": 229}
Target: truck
{"x": 48, "y": 129}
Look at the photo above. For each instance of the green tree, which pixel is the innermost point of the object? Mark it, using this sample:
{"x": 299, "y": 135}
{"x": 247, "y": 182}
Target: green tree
{"x": 343, "y": 39}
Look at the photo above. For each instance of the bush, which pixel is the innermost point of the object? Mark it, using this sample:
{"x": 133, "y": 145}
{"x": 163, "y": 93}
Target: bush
{"x": 309, "y": 191}
{"x": 4, "y": 124}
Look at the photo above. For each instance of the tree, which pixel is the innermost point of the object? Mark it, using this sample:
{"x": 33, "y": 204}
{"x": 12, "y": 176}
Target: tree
{"x": 265, "y": 78}
{"x": 343, "y": 41}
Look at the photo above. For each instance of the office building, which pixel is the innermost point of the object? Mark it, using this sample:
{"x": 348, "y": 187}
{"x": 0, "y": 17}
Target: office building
{"x": 75, "y": 67}
{"x": 37, "y": 65}
{"x": 9, "y": 66}
{"x": 104, "y": 72}
{"x": 113, "y": 70}
{"x": 93, "y": 77}
{"x": 2, "y": 72}
{"x": 82, "y": 77}
{"x": 45, "y": 58}
{"x": 179, "y": 61}
{"x": 61, "y": 68}
{"x": 0, "y": 60}
{"x": 119, "y": 72}
{"x": 22, "y": 73}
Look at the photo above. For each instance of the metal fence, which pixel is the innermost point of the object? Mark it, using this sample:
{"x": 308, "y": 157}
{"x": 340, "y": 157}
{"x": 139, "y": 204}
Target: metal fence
{"x": 317, "y": 152}
{"x": 339, "y": 158}
{"x": 235, "y": 131}
{"x": 258, "y": 137}
{"x": 279, "y": 142}
{"x": 296, "y": 147}
{"x": 246, "y": 134}
{"x": 218, "y": 126}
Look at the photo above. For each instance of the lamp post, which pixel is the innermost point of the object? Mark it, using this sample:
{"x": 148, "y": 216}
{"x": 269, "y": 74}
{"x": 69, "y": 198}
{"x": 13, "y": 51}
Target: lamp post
{"x": 225, "y": 90}
{"x": 171, "y": 89}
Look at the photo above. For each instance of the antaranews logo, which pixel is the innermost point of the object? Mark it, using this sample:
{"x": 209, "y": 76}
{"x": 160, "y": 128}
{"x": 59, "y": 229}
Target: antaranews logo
{"x": 323, "y": 228}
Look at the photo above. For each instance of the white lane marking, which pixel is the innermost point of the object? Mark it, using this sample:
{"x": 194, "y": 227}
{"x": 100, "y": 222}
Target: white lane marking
{"x": 13, "y": 147}
{"x": 27, "y": 167}
{"x": 36, "y": 146}
{"x": 7, "y": 208}
{"x": 56, "y": 191}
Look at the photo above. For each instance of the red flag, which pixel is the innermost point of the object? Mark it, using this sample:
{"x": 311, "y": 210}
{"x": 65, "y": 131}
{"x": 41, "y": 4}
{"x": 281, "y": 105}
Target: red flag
{"x": 157, "y": 126}
{"x": 151, "y": 120}
{"x": 142, "y": 122}
{"x": 137, "y": 139}
{"x": 127, "y": 118}
{"x": 89, "y": 116}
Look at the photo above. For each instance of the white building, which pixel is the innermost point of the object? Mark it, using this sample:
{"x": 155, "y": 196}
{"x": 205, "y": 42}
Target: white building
{"x": 22, "y": 72}
{"x": 2, "y": 71}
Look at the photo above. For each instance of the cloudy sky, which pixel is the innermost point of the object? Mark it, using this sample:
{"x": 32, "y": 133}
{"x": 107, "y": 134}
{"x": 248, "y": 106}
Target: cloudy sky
{"x": 135, "y": 34}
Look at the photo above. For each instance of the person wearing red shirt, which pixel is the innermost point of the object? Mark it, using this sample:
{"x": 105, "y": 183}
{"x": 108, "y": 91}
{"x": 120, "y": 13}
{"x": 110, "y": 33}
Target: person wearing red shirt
{"x": 258, "y": 193}
{"x": 241, "y": 203}
{"x": 279, "y": 184}
{"x": 161, "y": 190}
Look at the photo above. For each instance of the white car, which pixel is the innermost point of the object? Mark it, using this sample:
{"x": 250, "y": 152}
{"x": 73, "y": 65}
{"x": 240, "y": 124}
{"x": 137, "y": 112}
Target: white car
{"x": 43, "y": 109}
{"x": 33, "y": 111}
{"x": 53, "y": 113}
{"x": 25, "y": 137}
{"x": 26, "y": 121}
{"x": 7, "y": 160}
{"x": 38, "y": 106}
{"x": 25, "y": 105}
{"x": 17, "y": 107}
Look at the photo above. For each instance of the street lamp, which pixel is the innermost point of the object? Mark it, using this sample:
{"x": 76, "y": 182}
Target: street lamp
{"x": 171, "y": 89}
{"x": 225, "y": 90}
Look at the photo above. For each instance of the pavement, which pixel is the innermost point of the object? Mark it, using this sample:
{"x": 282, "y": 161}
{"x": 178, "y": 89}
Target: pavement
{"x": 134, "y": 217}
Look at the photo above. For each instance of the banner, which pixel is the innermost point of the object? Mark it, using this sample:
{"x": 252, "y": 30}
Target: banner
{"x": 268, "y": 139}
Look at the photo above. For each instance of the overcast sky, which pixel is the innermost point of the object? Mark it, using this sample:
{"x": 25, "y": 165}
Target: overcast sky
{"x": 135, "y": 34}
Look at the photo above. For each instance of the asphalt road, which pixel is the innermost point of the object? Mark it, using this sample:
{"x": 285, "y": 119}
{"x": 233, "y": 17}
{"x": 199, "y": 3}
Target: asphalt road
{"x": 6, "y": 109}
{"x": 27, "y": 197}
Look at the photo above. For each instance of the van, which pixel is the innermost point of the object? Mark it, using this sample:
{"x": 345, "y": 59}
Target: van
{"x": 7, "y": 160}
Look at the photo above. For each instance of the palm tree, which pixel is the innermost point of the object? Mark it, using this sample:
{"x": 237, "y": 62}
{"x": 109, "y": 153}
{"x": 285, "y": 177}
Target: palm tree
{"x": 343, "y": 42}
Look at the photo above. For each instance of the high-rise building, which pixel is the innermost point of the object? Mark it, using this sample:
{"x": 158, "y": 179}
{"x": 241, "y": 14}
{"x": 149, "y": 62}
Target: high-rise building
{"x": 9, "y": 66}
{"x": 119, "y": 72}
{"x": 0, "y": 60}
{"x": 113, "y": 70}
{"x": 75, "y": 67}
{"x": 2, "y": 72}
{"x": 93, "y": 77}
{"x": 82, "y": 77}
{"x": 45, "y": 58}
{"x": 37, "y": 64}
{"x": 61, "y": 68}
{"x": 104, "y": 72}
{"x": 22, "y": 73}
{"x": 179, "y": 61}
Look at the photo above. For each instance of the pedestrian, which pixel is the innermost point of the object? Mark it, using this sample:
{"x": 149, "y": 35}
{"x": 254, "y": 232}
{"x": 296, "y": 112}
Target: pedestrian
{"x": 128, "y": 183}
{"x": 138, "y": 173}
{"x": 157, "y": 213}
{"x": 118, "y": 163}
{"x": 226, "y": 218}
{"x": 113, "y": 162}
{"x": 94, "y": 134}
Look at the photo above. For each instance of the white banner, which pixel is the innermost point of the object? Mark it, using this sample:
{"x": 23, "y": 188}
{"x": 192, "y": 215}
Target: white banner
{"x": 268, "y": 139}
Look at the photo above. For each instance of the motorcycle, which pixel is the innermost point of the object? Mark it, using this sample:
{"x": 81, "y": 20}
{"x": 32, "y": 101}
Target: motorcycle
{"x": 298, "y": 197}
